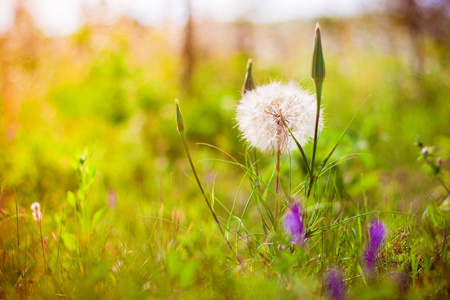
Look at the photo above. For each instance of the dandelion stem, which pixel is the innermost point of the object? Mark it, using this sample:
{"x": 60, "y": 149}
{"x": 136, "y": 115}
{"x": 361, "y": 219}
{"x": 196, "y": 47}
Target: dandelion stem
{"x": 318, "y": 85}
{"x": 305, "y": 160}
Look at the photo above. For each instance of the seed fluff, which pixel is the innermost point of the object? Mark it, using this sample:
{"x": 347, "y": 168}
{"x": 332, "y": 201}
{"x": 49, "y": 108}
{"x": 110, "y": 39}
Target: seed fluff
{"x": 261, "y": 111}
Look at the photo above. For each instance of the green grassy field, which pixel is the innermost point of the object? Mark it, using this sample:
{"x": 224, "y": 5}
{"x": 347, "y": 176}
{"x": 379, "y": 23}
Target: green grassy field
{"x": 90, "y": 132}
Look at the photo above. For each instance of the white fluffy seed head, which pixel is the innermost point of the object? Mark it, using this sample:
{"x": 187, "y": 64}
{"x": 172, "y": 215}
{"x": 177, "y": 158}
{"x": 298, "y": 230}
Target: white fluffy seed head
{"x": 261, "y": 111}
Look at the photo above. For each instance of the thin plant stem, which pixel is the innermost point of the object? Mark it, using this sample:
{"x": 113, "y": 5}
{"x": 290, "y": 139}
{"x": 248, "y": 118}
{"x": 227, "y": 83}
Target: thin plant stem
{"x": 42, "y": 243}
{"x": 443, "y": 184}
{"x": 183, "y": 139}
{"x": 181, "y": 131}
{"x": 305, "y": 160}
{"x": 18, "y": 237}
{"x": 277, "y": 204}
{"x": 59, "y": 241}
{"x": 255, "y": 161}
{"x": 324, "y": 162}
{"x": 318, "y": 85}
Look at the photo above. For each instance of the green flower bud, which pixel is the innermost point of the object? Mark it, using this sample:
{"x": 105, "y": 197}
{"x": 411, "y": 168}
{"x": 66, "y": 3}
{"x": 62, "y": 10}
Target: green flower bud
{"x": 248, "y": 81}
{"x": 180, "y": 123}
{"x": 318, "y": 63}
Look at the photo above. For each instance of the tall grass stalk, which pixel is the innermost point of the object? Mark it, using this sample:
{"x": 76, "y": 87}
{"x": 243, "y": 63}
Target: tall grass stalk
{"x": 58, "y": 262}
{"x": 42, "y": 243}
{"x": 277, "y": 189}
{"x": 18, "y": 236}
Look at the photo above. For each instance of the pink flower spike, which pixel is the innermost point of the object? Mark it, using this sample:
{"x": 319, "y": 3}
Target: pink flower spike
{"x": 335, "y": 284}
{"x": 293, "y": 223}
{"x": 377, "y": 234}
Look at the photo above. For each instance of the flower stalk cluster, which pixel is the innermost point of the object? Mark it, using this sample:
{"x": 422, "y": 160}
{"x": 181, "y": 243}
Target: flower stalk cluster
{"x": 277, "y": 118}
{"x": 37, "y": 215}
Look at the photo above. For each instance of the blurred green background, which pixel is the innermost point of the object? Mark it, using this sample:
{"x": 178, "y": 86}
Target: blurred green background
{"x": 110, "y": 90}
{"x": 107, "y": 91}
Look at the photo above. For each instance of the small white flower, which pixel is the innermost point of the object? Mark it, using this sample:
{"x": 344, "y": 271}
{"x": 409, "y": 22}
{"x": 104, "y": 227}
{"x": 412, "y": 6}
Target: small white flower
{"x": 35, "y": 206}
{"x": 261, "y": 111}
{"x": 37, "y": 215}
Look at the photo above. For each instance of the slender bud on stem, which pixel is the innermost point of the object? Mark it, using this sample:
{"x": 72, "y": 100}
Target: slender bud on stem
{"x": 318, "y": 63}
{"x": 180, "y": 123}
{"x": 248, "y": 81}
{"x": 318, "y": 76}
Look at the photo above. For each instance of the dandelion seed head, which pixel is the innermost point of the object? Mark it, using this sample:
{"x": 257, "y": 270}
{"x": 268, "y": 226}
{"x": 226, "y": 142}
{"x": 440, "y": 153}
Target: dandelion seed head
{"x": 261, "y": 111}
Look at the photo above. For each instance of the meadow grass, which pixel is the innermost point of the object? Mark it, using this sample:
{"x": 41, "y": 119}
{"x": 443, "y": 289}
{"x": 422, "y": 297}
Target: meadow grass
{"x": 123, "y": 216}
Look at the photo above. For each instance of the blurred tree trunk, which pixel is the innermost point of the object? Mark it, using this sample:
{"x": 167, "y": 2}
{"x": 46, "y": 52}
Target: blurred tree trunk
{"x": 424, "y": 20}
{"x": 244, "y": 41}
{"x": 410, "y": 16}
{"x": 18, "y": 58}
{"x": 188, "y": 58}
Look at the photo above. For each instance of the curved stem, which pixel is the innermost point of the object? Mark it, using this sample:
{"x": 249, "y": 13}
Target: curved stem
{"x": 211, "y": 209}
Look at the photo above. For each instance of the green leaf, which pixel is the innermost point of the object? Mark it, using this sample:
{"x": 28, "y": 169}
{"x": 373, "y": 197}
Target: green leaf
{"x": 98, "y": 214}
{"x": 445, "y": 206}
{"x": 70, "y": 241}
{"x": 71, "y": 199}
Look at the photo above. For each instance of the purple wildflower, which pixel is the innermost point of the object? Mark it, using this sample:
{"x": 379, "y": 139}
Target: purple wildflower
{"x": 335, "y": 284}
{"x": 293, "y": 223}
{"x": 377, "y": 233}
